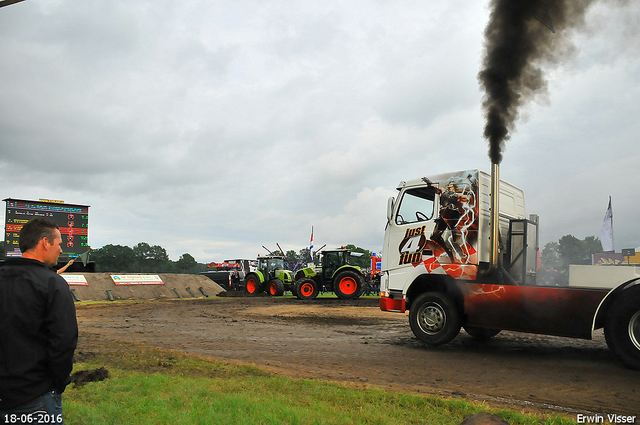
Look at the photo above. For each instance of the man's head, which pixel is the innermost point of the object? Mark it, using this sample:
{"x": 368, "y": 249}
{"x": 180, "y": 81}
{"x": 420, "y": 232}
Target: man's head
{"x": 40, "y": 240}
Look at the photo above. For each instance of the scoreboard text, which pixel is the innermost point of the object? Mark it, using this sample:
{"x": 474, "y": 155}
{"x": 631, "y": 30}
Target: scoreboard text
{"x": 73, "y": 221}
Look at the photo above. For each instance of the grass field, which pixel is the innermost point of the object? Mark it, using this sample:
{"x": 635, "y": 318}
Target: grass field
{"x": 154, "y": 386}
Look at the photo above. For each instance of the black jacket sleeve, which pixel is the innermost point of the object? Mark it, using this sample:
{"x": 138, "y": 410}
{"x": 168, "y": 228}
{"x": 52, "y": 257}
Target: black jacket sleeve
{"x": 61, "y": 330}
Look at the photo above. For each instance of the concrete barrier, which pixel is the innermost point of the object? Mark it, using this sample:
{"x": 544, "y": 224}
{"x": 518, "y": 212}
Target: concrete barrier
{"x": 101, "y": 287}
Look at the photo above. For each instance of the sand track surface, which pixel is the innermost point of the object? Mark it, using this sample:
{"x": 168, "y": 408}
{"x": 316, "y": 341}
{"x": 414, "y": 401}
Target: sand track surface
{"x": 353, "y": 341}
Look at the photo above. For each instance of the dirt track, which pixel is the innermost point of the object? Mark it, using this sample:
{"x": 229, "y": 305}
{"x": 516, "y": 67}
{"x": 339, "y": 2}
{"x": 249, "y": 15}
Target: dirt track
{"x": 354, "y": 341}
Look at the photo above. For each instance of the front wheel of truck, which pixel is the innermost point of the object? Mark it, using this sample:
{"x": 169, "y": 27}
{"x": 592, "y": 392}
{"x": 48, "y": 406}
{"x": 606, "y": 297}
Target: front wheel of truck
{"x": 434, "y": 318}
{"x": 622, "y": 328}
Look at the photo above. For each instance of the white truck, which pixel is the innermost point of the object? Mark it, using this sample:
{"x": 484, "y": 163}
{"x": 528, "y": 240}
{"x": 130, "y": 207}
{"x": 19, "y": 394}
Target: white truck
{"x": 455, "y": 255}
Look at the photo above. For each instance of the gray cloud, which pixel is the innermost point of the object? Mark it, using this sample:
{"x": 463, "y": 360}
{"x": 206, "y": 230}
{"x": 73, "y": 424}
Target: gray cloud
{"x": 215, "y": 127}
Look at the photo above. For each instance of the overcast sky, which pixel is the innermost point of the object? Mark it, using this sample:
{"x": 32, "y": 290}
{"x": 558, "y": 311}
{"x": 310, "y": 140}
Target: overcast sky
{"x": 216, "y": 127}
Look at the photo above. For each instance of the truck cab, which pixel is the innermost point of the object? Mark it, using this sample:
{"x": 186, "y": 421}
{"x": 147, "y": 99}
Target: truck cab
{"x": 456, "y": 256}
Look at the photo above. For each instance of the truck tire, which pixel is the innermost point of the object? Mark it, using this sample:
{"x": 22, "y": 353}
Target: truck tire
{"x": 348, "y": 285}
{"x": 307, "y": 289}
{"x": 622, "y": 328}
{"x": 254, "y": 286}
{"x": 275, "y": 288}
{"x": 481, "y": 334}
{"x": 434, "y": 318}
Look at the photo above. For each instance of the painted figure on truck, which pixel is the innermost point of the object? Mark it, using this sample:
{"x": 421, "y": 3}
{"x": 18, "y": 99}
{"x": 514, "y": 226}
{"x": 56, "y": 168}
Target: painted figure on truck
{"x": 474, "y": 264}
{"x": 456, "y": 219}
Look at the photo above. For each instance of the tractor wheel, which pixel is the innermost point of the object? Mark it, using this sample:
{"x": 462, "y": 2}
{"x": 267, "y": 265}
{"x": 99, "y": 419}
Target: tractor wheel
{"x": 481, "y": 334}
{"x": 254, "y": 286}
{"x": 275, "y": 288}
{"x": 622, "y": 328}
{"x": 307, "y": 289}
{"x": 434, "y": 318}
{"x": 348, "y": 285}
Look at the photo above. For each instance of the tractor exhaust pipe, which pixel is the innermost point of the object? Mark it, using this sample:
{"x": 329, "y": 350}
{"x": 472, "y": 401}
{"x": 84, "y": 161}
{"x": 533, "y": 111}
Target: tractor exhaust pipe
{"x": 494, "y": 218}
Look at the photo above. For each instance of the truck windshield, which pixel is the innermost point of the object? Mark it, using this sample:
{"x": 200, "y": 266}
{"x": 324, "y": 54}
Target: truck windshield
{"x": 416, "y": 205}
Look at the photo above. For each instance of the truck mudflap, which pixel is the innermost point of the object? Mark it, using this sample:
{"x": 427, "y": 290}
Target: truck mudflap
{"x": 393, "y": 305}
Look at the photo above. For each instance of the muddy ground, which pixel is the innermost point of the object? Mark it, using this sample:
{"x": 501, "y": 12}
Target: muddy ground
{"x": 353, "y": 341}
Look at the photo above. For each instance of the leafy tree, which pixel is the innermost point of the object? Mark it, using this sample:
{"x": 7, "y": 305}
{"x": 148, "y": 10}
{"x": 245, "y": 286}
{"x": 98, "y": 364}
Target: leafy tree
{"x": 550, "y": 255}
{"x": 364, "y": 260}
{"x": 291, "y": 257}
{"x": 151, "y": 258}
{"x": 592, "y": 245}
{"x": 186, "y": 262}
{"x": 570, "y": 250}
{"x": 113, "y": 258}
{"x": 142, "y": 258}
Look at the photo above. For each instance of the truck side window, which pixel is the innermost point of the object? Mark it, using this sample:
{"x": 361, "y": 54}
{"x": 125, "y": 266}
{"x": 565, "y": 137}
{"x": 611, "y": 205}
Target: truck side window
{"x": 416, "y": 205}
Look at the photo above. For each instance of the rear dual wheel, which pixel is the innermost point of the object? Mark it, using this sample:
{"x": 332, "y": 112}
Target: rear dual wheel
{"x": 622, "y": 328}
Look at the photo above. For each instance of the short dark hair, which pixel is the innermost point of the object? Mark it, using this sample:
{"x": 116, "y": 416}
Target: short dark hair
{"x": 36, "y": 229}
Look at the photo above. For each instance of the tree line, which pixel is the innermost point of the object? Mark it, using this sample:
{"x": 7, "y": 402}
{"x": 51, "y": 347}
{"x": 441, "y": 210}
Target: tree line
{"x": 145, "y": 258}
{"x": 142, "y": 258}
{"x": 569, "y": 250}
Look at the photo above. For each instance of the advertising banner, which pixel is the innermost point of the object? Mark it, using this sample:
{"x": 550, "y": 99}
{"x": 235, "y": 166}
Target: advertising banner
{"x": 136, "y": 279}
{"x": 75, "y": 279}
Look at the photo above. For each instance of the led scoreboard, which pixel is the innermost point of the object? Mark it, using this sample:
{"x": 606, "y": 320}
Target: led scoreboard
{"x": 72, "y": 219}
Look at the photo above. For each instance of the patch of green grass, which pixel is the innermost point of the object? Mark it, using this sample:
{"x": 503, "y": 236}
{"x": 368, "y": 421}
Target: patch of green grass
{"x": 155, "y": 386}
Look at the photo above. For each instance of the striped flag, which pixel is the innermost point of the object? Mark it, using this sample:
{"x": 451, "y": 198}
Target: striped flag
{"x": 311, "y": 245}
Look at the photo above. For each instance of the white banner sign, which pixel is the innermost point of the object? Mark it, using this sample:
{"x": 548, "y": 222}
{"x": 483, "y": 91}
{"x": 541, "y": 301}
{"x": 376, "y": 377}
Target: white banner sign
{"x": 136, "y": 279}
{"x": 75, "y": 279}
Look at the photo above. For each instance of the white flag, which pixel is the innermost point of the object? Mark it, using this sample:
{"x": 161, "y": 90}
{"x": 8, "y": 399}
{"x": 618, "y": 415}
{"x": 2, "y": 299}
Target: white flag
{"x": 606, "y": 234}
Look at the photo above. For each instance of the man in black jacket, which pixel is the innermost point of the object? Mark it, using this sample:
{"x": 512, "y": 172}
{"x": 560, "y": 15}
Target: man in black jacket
{"x": 38, "y": 329}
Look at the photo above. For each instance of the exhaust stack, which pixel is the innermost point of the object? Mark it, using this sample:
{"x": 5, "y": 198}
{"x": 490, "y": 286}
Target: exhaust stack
{"x": 494, "y": 218}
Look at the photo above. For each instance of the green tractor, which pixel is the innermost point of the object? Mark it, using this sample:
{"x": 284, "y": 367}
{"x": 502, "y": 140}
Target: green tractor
{"x": 335, "y": 275}
{"x": 270, "y": 277}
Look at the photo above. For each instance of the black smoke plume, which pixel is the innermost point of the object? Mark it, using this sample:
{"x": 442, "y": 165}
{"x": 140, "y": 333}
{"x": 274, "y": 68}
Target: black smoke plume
{"x": 520, "y": 37}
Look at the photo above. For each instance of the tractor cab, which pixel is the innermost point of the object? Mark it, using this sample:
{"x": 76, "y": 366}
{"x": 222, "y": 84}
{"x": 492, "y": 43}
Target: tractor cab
{"x": 269, "y": 265}
{"x": 332, "y": 261}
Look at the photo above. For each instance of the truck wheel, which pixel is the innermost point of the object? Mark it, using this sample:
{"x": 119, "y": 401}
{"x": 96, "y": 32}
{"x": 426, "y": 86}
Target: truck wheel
{"x": 348, "y": 285}
{"x": 254, "y": 286}
{"x": 275, "y": 288}
{"x": 481, "y": 334}
{"x": 307, "y": 289}
{"x": 622, "y": 328}
{"x": 434, "y": 318}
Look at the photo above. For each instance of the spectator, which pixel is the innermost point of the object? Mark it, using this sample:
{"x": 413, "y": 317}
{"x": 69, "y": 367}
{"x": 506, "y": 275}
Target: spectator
{"x": 38, "y": 327}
